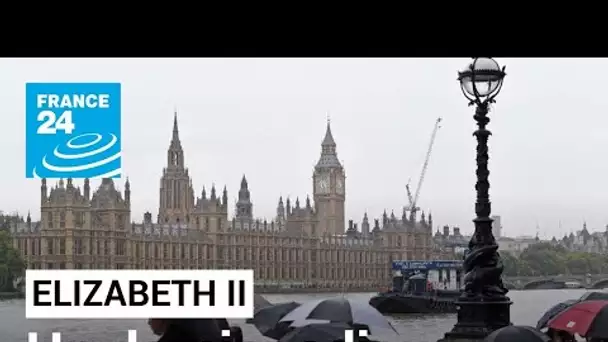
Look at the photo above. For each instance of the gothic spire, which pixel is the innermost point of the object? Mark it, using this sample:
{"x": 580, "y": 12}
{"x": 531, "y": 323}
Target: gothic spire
{"x": 329, "y": 138}
{"x": 175, "y": 129}
{"x": 244, "y": 182}
{"x": 329, "y": 157}
{"x": 244, "y": 194}
{"x": 175, "y": 142}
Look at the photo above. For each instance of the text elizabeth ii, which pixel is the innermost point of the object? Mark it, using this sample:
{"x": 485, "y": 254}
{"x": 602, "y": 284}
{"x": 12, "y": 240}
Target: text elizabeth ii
{"x": 138, "y": 294}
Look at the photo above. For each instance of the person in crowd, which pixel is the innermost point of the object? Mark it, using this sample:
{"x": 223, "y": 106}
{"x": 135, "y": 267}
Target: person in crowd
{"x": 236, "y": 334}
{"x": 560, "y": 336}
{"x": 189, "y": 330}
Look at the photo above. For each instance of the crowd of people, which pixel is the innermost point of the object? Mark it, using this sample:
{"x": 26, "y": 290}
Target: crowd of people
{"x": 583, "y": 319}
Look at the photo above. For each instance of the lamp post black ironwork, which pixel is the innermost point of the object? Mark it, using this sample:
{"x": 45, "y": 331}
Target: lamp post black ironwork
{"x": 484, "y": 305}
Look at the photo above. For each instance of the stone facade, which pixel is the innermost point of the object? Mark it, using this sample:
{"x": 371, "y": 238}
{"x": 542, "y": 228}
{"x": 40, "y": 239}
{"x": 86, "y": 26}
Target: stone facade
{"x": 307, "y": 244}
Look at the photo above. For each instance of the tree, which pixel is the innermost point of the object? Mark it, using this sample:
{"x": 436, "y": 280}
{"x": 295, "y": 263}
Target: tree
{"x": 549, "y": 259}
{"x": 11, "y": 264}
{"x": 510, "y": 263}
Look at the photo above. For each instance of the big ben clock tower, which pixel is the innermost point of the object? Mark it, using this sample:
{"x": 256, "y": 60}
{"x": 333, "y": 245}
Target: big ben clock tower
{"x": 329, "y": 188}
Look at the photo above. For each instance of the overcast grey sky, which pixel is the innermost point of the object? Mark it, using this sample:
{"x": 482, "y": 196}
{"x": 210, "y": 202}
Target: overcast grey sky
{"x": 266, "y": 118}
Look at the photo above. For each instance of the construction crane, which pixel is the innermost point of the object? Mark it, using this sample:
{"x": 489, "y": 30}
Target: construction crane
{"x": 413, "y": 209}
{"x": 410, "y": 198}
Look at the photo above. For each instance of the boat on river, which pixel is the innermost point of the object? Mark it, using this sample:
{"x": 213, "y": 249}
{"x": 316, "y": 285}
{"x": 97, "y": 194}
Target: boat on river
{"x": 421, "y": 287}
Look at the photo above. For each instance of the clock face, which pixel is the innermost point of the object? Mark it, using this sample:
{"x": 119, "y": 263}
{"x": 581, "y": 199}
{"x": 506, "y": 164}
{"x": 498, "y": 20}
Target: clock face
{"x": 323, "y": 183}
{"x": 340, "y": 185}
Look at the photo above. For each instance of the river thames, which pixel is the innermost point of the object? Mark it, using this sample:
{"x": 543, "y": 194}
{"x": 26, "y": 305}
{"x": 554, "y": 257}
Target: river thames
{"x": 527, "y": 308}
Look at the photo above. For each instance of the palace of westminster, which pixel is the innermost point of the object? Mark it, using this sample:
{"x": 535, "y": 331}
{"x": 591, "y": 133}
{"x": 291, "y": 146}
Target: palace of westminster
{"x": 307, "y": 244}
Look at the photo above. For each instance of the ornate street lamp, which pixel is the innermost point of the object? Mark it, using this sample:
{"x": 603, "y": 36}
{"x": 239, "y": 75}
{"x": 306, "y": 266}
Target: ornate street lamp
{"x": 483, "y": 306}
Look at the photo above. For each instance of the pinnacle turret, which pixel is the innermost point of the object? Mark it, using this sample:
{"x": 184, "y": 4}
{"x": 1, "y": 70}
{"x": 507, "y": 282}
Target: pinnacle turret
{"x": 281, "y": 209}
{"x": 225, "y": 196}
{"x": 87, "y": 189}
{"x": 384, "y": 218}
{"x": 128, "y": 191}
{"x": 365, "y": 224}
{"x": 244, "y": 207}
{"x": 376, "y": 226}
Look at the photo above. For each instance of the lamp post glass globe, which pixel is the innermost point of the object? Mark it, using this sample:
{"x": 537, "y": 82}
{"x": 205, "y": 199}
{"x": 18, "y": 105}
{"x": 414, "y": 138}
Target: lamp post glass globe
{"x": 482, "y": 78}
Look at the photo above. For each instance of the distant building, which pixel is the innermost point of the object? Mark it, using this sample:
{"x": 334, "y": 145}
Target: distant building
{"x": 450, "y": 245}
{"x": 516, "y": 245}
{"x": 9, "y": 220}
{"x": 583, "y": 241}
{"x": 497, "y": 226}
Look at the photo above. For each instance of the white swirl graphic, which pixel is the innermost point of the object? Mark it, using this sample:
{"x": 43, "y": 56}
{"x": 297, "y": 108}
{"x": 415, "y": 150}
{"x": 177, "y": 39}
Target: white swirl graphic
{"x": 71, "y": 144}
{"x": 99, "y": 157}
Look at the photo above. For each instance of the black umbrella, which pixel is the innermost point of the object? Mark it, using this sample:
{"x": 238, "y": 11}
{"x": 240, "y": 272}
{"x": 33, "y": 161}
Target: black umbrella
{"x": 340, "y": 310}
{"x": 519, "y": 333}
{"x": 266, "y": 320}
{"x": 334, "y": 332}
{"x": 193, "y": 330}
{"x": 594, "y": 295}
{"x": 553, "y": 311}
{"x": 260, "y": 302}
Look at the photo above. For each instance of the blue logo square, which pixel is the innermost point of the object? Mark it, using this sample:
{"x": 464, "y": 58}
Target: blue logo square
{"x": 72, "y": 130}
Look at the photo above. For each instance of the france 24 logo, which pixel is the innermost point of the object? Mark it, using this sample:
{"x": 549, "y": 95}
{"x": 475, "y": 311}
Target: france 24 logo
{"x": 72, "y": 130}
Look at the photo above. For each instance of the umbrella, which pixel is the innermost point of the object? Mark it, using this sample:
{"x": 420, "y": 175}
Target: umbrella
{"x": 342, "y": 310}
{"x": 519, "y": 333}
{"x": 587, "y": 318}
{"x": 260, "y": 302}
{"x": 558, "y": 308}
{"x": 193, "y": 329}
{"x": 320, "y": 332}
{"x": 594, "y": 295}
{"x": 553, "y": 311}
{"x": 266, "y": 320}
